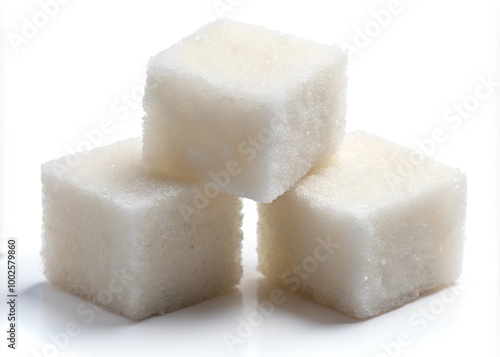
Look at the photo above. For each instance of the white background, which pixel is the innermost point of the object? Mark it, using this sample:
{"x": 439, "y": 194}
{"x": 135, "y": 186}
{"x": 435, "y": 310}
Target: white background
{"x": 87, "y": 63}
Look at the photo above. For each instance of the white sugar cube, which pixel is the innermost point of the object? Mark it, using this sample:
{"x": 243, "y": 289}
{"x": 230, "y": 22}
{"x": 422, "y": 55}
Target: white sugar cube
{"x": 368, "y": 231}
{"x": 113, "y": 234}
{"x": 244, "y": 108}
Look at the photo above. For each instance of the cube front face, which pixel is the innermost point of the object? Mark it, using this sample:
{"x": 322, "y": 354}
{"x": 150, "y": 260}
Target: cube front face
{"x": 313, "y": 250}
{"x": 128, "y": 247}
{"x": 196, "y": 135}
{"x": 202, "y": 116}
{"x": 388, "y": 252}
{"x": 81, "y": 251}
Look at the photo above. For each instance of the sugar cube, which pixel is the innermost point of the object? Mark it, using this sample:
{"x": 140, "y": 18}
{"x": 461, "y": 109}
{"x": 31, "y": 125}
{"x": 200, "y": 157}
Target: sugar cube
{"x": 244, "y": 108}
{"x": 369, "y": 230}
{"x": 113, "y": 234}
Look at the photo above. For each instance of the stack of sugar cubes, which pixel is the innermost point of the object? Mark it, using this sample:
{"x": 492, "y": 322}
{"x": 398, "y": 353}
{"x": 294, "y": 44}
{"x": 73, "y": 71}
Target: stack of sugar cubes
{"x": 235, "y": 110}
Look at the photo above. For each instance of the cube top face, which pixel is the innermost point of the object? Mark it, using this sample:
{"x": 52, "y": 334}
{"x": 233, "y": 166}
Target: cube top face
{"x": 369, "y": 173}
{"x": 238, "y": 57}
{"x": 115, "y": 172}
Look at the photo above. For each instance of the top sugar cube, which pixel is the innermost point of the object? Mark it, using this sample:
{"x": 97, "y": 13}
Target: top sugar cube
{"x": 244, "y": 108}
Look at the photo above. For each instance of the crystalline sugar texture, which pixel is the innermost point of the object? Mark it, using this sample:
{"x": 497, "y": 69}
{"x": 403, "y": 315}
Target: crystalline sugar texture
{"x": 113, "y": 234}
{"x": 244, "y": 108}
{"x": 368, "y": 231}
